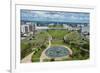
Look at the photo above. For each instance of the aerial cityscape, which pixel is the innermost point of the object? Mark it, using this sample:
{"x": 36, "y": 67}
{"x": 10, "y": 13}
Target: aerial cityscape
{"x": 48, "y": 36}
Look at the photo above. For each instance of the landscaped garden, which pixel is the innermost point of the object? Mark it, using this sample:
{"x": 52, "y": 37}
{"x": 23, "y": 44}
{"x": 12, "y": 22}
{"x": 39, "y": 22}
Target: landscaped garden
{"x": 71, "y": 39}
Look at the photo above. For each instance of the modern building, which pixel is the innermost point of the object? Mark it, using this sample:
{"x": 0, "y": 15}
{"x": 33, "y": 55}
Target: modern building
{"x": 69, "y": 27}
{"x": 28, "y": 28}
{"x": 24, "y": 28}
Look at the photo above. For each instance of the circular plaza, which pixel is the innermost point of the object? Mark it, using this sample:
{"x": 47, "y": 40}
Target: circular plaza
{"x": 55, "y": 52}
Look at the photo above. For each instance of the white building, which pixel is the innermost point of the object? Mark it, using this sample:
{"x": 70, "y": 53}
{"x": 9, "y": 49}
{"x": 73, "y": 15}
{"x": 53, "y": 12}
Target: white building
{"x": 24, "y": 28}
{"x": 70, "y": 28}
{"x": 28, "y": 27}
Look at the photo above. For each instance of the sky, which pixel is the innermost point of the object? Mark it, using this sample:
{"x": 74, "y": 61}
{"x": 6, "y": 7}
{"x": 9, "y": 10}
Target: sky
{"x": 54, "y": 16}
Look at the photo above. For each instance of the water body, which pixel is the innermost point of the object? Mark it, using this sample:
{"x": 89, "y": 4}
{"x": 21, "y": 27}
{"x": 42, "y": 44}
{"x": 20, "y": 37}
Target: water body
{"x": 57, "y": 51}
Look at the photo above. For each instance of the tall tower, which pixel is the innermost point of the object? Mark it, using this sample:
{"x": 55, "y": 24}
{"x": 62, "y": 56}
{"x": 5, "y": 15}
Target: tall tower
{"x": 26, "y": 29}
{"x": 34, "y": 28}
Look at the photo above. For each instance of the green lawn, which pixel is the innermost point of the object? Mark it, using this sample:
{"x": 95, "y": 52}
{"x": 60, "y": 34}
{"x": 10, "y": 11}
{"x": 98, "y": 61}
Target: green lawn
{"x": 55, "y": 26}
{"x": 57, "y": 34}
{"x": 57, "y": 42}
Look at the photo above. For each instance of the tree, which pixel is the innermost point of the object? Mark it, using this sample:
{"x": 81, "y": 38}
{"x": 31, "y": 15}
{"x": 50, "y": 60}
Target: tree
{"x": 76, "y": 42}
{"x": 72, "y": 37}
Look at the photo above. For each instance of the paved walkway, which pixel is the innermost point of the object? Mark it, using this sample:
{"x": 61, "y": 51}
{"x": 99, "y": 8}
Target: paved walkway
{"x": 27, "y": 59}
{"x": 43, "y": 53}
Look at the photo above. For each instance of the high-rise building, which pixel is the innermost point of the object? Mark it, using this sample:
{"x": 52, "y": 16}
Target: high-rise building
{"x": 31, "y": 28}
{"x": 24, "y": 28}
